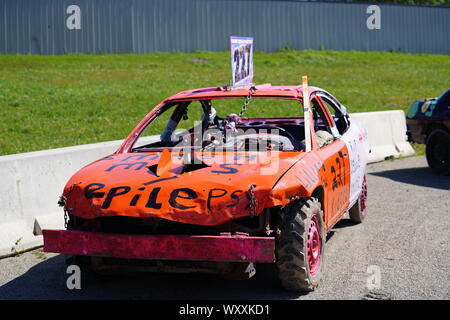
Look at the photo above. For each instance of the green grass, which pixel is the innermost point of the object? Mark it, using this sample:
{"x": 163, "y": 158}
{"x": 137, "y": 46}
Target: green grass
{"x": 419, "y": 148}
{"x": 55, "y": 101}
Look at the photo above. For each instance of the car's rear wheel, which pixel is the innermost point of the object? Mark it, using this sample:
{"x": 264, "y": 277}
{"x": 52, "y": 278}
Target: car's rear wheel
{"x": 438, "y": 151}
{"x": 357, "y": 213}
{"x": 300, "y": 245}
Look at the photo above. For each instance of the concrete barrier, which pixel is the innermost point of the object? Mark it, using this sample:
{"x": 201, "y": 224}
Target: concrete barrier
{"x": 386, "y": 131}
{"x": 31, "y": 183}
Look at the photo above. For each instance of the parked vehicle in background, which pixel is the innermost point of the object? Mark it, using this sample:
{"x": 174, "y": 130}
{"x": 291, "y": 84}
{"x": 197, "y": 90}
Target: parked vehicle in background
{"x": 428, "y": 122}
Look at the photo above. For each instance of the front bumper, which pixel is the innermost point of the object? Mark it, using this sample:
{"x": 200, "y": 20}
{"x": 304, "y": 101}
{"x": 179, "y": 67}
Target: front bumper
{"x": 231, "y": 248}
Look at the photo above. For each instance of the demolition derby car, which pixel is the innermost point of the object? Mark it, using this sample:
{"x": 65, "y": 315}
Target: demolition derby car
{"x": 428, "y": 122}
{"x": 206, "y": 183}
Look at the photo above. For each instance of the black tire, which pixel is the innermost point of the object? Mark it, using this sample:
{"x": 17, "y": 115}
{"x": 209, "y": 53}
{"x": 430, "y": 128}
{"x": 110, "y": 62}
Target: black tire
{"x": 438, "y": 151}
{"x": 292, "y": 247}
{"x": 357, "y": 212}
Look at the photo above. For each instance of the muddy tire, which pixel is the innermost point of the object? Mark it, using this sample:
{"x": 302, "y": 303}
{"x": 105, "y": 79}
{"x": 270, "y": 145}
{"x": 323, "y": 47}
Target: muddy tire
{"x": 357, "y": 213}
{"x": 438, "y": 151}
{"x": 300, "y": 245}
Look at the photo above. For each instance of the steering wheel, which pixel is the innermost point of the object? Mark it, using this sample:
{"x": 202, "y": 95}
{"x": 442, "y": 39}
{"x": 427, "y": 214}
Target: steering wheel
{"x": 284, "y": 131}
{"x": 298, "y": 145}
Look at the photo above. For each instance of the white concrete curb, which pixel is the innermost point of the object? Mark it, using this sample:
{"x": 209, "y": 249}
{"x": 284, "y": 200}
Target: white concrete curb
{"x": 31, "y": 185}
{"x": 386, "y": 131}
{"x": 32, "y": 182}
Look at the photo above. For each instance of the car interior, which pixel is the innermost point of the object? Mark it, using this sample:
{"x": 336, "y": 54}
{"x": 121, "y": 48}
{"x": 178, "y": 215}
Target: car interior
{"x": 185, "y": 122}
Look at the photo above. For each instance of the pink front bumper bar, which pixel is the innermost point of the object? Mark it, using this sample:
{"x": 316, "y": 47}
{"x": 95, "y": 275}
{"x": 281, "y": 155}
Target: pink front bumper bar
{"x": 235, "y": 248}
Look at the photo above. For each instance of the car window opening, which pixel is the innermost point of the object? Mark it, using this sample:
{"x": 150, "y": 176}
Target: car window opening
{"x": 203, "y": 126}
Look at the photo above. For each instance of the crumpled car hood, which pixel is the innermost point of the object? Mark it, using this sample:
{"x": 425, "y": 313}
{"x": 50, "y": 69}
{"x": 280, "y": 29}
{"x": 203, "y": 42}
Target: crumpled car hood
{"x": 156, "y": 184}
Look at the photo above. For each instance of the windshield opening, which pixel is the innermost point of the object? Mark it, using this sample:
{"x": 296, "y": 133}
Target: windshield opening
{"x": 227, "y": 124}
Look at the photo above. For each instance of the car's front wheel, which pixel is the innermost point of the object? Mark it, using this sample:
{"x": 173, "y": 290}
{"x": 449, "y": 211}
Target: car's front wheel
{"x": 300, "y": 245}
{"x": 438, "y": 151}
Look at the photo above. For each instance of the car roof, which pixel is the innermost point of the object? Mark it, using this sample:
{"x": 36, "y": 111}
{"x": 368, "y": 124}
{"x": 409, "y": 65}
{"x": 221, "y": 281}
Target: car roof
{"x": 263, "y": 90}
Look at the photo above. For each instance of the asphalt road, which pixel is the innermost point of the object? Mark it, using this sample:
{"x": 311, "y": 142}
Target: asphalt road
{"x": 401, "y": 251}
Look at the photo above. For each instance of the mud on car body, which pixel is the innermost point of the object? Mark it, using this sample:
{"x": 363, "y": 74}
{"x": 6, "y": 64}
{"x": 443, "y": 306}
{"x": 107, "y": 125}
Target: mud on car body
{"x": 217, "y": 192}
{"x": 428, "y": 122}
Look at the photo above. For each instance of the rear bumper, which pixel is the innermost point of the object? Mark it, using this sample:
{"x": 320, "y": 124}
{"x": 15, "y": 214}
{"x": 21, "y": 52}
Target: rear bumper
{"x": 234, "y": 248}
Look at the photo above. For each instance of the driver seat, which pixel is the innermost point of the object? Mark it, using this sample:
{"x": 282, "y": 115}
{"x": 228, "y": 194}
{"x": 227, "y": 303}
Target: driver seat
{"x": 323, "y": 138}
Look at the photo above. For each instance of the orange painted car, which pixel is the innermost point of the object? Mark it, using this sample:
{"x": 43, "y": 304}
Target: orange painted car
{"x": 199, "y": 187}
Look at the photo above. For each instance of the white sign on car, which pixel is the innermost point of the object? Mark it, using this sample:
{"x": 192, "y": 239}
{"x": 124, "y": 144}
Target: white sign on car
{"x": 241, "y": 61}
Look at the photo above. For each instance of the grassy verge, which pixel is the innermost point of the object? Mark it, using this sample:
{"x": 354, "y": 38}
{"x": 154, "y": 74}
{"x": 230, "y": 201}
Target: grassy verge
{"x": 55, "y": 101}
{"x": 419, "y": 148}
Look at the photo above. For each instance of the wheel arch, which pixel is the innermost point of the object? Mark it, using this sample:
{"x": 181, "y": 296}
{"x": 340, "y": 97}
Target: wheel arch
{"x": 319, "y": 194}
{"x": 432, "y": 127}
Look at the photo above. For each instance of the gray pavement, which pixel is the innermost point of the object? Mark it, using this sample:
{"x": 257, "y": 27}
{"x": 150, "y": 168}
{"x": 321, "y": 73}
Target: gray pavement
{"x": 401, "y": 251}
